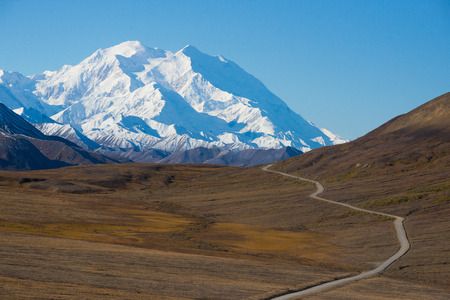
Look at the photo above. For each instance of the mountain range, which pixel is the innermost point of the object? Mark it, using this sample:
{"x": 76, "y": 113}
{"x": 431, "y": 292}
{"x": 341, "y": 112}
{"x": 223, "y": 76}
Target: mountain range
{"x": 23, "y": 147}
{"x": 129, "y": 99}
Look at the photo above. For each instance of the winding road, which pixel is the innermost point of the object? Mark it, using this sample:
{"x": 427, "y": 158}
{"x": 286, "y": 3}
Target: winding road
{"x": 399, "y": 228}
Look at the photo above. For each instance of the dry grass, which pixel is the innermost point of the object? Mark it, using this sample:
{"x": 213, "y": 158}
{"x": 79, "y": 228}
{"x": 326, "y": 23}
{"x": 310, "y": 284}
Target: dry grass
{"x": 165, "y": 232}
{"x": 402, "y": 168}
{"x": 256, "y": 240}
{"x": 146, "y": 222}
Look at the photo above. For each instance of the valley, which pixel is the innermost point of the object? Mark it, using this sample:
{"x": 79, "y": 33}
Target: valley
{"x": 160, "y": 231}
{"x": 224, "y": 150}
{"x": 147, "y": 228}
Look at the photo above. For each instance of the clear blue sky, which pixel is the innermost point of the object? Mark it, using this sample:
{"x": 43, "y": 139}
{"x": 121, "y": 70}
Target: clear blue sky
{"x": 345, "y": 65}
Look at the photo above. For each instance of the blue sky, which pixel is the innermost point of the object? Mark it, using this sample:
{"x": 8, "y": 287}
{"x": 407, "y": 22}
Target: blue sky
{"x": 345, "y": 65}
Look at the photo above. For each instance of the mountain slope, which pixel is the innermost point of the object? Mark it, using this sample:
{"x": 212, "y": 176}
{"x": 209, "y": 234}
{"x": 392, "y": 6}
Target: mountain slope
{"x": 50, "y": 127}
{"x": 20, "y": 154}
{"x": 16, "y": 91}
{"x": 420, "y": 136}
{"x": 24, "y": 147}
{"x": 192, "y": 156}
{"x": 10, "y": 123}
{"x": 130, "y": 96}
{"x": 402, "y": 167}
{"x": 253, "y": 157}
{"x": 238, "y": 158}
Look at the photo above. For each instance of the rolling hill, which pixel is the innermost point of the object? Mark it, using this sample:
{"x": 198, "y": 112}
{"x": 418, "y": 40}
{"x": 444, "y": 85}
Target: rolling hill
{"x": 149, "y": 231}
{"x": 402, "y": 167}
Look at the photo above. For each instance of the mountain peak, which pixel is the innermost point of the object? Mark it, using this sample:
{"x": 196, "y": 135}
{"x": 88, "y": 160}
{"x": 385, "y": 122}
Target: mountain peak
{"x": 176, "y": 100}
{"x": 131, "y": 43}
{"x": 127, "y": 49}
{"x": 189, "y": 48}
{"x": 130, "y": 49}
{"x": 195, "y": 53}
{"x": 191, "y": 52}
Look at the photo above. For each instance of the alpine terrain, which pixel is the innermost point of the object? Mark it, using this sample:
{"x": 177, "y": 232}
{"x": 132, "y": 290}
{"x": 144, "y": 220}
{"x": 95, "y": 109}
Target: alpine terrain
{"x": 23, "y": 147}
{"x": 173, "y": 231}
{"x": 131, "y": 98}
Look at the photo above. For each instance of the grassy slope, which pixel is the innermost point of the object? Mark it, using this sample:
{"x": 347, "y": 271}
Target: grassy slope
{"x": 137, "y": 231}
{"x": 174, "y": 232}
{"x": 403, "y": 167}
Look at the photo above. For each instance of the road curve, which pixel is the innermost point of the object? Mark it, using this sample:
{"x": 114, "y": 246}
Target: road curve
{"x": 399, "y": 228}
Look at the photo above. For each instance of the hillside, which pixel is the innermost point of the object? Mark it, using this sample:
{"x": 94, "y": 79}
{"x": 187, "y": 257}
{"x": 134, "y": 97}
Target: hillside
{"x": 24, "y": 147}
{"x": 151, "y": 231}
{"x": 143, "y": 231}
{"x": 402, "y": 167}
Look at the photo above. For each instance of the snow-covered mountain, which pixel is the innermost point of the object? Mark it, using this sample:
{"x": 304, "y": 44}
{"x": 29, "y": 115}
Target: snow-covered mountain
{"x": 23, "y": 147}
{"x": 133, "y": 96}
